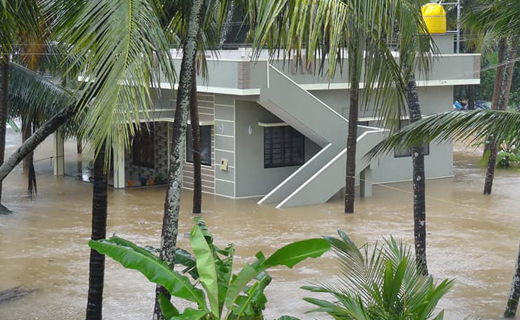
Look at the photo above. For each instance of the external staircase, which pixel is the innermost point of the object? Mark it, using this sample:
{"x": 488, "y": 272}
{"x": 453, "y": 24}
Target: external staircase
{"x": 323, "y": 175}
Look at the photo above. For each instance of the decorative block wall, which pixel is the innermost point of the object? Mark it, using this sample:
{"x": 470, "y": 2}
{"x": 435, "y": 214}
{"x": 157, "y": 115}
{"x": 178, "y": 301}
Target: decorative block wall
{"x": 133, "y": 172}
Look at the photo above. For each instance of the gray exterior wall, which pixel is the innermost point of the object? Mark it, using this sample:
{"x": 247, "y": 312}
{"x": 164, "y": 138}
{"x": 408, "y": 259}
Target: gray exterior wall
{"x": 432, "y": 99}
{"x": 230, "y": 97}
{"x": 439, "y": 163}
{"x": 225, "y": 145}
{"x": 163, "y": 115}
{"x": 253, "y": 179}
{"x": 206, "y": 104}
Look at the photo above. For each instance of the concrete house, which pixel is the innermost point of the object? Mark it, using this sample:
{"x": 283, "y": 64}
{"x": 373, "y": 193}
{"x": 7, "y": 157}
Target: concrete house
{"x": 278, "y": 133}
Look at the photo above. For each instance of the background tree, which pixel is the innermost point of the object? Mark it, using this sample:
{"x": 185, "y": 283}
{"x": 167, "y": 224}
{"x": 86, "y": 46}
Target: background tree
{"x": 195, "y": 136}
{"x": 466, "y": 127}
{"x": 490, "y": 18}
{"x": 19, "y": 17}
{"x": 501, "y": 95}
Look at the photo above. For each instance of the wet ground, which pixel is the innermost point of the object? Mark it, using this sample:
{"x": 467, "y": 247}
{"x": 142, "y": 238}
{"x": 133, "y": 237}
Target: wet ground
{"x": 472, "y": 238}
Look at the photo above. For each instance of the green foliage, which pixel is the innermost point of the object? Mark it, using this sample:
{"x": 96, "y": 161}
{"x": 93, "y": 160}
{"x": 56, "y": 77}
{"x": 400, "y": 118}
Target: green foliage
{"x": 120, "y": 50}
{"x": 326, "y": 32}
{"x": 230, "y": 296}
{"x": 469, "y": 126}
{"x": 34, "y": 98}
{"x": 379, "y": 283}
{"x": 484, "y": 91}
{"x": 508, "y": 155}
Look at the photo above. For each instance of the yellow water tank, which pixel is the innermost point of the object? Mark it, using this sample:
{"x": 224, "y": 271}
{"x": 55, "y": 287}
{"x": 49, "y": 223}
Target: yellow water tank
{"x": 435, "y": 18}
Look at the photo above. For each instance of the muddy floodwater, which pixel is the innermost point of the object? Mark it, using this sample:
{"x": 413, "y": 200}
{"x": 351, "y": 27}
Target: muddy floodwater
{"x": 472, "y": 238}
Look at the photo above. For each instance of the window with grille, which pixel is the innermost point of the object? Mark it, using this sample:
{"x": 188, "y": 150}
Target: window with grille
{"x": 205, "y": 145}
{"x": 401, "y": 153}
{"x": 283, "y": 147}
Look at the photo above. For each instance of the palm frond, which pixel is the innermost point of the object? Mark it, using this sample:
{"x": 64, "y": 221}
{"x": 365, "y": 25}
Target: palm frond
{"x": 382, "y": 282}
{"x": 469, "y": 127}
{"x": 121, "y": 51}
{"x": 499, "y": 16}
{"x": 19, "y": 17}
{"x": 32, "y": 97}
{"x": 210, "y": 36}
{"x": 332, "y": 31}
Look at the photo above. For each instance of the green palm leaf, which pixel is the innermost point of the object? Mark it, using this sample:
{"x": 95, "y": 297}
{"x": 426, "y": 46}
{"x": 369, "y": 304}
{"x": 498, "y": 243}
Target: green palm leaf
{"x": 381, "y": 283}
{"x": 33, "y": 97}
{"x": 18, "y": 17}
{"x": 328, "y": 32}
{"x": 469, "y": 127}
{"x": 120, "y": 62}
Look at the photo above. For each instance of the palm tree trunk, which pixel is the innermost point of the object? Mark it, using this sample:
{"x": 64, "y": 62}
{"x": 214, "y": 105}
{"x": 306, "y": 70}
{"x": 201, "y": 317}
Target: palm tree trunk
{"x": 503, "y": 100}
{"x": 172, "y": 202}
{"x": 26, "y": 133}
{"x": 226, "y": 25}
{"x": 514, "y": 294}
{"x": 4, "y": 87}
{"x": 197, "y": 161}
{"x": 34, "y": 141}
{"x": 79, "y": 151}
{"x": 498, "y": 81}
{"x": 502, "y": 46}
{"x": 471, "y": 97}
{"x": 28, "y": 161}
{"x": 418, "y": 180}
{"x": 350, "y": 191}
{"x": 99, "y": 226}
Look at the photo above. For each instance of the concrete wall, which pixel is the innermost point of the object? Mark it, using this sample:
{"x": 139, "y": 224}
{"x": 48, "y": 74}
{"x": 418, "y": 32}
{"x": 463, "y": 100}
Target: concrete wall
{"x": 439, "y": 164}
{"x": 235, "y": 72}
{"x": 252, "y": 178}
{"x": 432, "y": 99}
{"x": 440, "y": 161}
{"x": 225, "y": 145}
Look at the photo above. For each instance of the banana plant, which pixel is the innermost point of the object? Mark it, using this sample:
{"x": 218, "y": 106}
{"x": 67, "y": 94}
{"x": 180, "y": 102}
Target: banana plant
{"x": 224, "y": 295}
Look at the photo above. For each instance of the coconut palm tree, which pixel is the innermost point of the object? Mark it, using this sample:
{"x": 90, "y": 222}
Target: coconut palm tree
{"x": 34, "y": 99}
{"x": 18, "y": 18}
{"x": 500, "y": 17}
{"x": 467, "y": 127}
{"x": 197, "y": 160}
{"x": 488, "y": 17}
{"x": 365, "y": 40}
{"x": 334, "y": 30}
{"x": 120, "y": 49}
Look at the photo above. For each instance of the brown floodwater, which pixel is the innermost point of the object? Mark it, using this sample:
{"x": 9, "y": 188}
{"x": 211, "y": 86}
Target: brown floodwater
{"x": 472, "y": 238}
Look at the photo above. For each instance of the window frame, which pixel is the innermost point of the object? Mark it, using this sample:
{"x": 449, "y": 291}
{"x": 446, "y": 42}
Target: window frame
{"x": 408, "y": 153}
{"x": 268, "y": 164}
{"x": 188, "y": 156}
